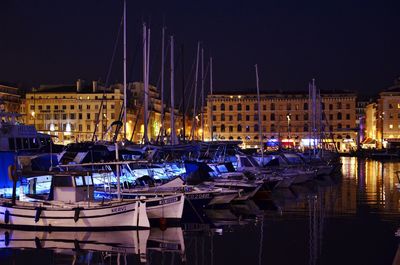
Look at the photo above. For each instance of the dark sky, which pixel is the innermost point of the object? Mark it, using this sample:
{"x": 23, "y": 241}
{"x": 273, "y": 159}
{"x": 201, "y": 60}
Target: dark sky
{"x": 344, "y": 44}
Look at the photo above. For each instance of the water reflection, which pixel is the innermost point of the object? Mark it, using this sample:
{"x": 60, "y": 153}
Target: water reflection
{"x": 347, "y": 219}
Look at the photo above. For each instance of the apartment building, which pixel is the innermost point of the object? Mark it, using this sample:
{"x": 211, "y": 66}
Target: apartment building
{"x": 285, "y": 118}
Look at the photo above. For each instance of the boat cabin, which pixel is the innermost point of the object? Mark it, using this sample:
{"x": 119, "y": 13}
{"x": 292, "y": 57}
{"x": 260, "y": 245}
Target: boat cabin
{"x": 72, "y": 188}
{"x": 15, "y": 136}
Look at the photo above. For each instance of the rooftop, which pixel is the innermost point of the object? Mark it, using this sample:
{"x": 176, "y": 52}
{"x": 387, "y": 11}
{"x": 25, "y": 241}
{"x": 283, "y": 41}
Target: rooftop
{"x": 251, "y": 92}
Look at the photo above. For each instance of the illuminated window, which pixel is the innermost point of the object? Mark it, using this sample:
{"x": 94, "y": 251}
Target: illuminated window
{"x": 391, "y": 126}
{"x": 398, "y": 105}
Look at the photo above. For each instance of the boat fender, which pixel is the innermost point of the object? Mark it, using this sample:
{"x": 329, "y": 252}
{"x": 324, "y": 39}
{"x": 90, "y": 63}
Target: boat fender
{"x": 6, "y": 238}
{"x": 12, "y": 173}
{"x": 163, "y": 224}
{"x": 76, "y": 245}
{"x": 77, "y": 212}
{"x": 38, "y": 213}
{"x": 6, "y": 217}
{"x": 37, "y": 243}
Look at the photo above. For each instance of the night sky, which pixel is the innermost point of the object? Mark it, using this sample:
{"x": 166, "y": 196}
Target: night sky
{"x": 344, "y": 44}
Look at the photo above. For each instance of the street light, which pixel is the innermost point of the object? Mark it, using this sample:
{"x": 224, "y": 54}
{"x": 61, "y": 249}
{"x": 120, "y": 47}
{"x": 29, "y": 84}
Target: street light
{"x": 381, "y": 117}
{"x": 288, "y": 117}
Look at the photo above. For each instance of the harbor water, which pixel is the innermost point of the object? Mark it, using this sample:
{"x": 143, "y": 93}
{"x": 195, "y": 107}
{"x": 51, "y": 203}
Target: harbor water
{"x": 348, "y": 219}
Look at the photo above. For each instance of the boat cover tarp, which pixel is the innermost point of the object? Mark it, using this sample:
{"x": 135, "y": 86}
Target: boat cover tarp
{"x": 6, "y": 159}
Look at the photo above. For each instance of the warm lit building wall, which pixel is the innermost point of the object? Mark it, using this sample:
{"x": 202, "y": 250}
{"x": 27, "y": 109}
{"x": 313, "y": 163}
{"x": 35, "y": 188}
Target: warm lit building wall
{"x": 283, "y": 116}
{"x": 156, "y": 121}
{"x": 70, "y": 112}
{"x": 389, "y": 115}
{"x": 370, "y": 120}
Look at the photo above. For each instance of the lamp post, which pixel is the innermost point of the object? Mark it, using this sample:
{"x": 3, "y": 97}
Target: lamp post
{"x": 288, "y": 117}
{"x": 381, "y": 117}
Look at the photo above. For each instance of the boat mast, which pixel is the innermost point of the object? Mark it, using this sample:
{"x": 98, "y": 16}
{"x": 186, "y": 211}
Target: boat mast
{"x": 202, "y": 94}
{"x": 147, "y": 92}
{"x": 183, "y": 97}
{"x": 172, "y": 93}
{"x": 146, "y": 103}
{"x": 211, "y": 100}
{"x": 118, "y": 173}
{"x": 125, "y": 95}
{"x": 259, "y": 114}
{"x": 195, "y": 92}
{"x": 162, "y": 84}
{"x": 309, "y": 118}
{"x": 314, "y": 116}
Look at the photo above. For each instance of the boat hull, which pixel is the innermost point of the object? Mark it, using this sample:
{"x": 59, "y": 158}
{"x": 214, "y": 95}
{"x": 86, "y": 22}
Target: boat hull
{"x": 169, "y": 207}
{"x": 166, "y": 206}
{"x": 116, "y": 216}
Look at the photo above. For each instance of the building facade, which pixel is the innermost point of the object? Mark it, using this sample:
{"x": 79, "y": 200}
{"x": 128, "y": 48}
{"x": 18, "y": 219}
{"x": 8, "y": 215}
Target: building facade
{"x": 285, "y": 118}
{"x": 73, "y": 113}
{"x": 156, "y": 122}
{"x": 371, "y": 136}
{"x": 388, "y": 116}
{"x": 82, "y": 112}
{"x": 10, "y": 97}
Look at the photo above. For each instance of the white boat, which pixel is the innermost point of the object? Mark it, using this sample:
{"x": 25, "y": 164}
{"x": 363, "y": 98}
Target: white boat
{"x": 70, "y": 206}
{"x": 166, "y": 207}
{"x": 74, "y": 216}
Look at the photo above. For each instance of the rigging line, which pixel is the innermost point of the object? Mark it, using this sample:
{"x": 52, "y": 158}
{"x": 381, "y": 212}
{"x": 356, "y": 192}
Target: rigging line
{"x": 165, "y": 57}
{"x": 141, "y": 105}
{"x": 152, "y": 59}
{"x": 190, "y": 94}
{"x": 114, "y": 51}
{"x": 200, "y": 105}
{"x": 136, "y": 122}
{"x": 199, "y": 99}
{"x": 188, "y": 80}
{"x": 134, "y": 59}
{"x": 187, "y": 107}
{"x": 108, "y": 78}
{"x": 191, "y": 73}
{"x": 158, "y": 83}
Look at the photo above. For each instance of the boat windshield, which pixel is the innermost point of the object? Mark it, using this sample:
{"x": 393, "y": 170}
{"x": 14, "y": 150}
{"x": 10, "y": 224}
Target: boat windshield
{"x": 253, "y": 161}
{"x": 293, "y": 159}
{"x": 245, "y": 162}
{"x": 79, "y": 181}
{"x": 222, "y": 169}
